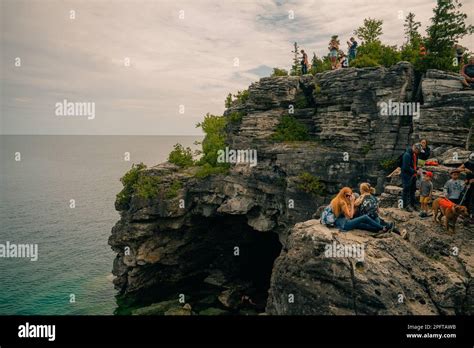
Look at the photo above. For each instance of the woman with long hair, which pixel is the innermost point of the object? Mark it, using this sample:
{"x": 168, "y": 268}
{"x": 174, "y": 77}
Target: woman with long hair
{"x": 367, "y": 204}
{"x": 343, "y": 207}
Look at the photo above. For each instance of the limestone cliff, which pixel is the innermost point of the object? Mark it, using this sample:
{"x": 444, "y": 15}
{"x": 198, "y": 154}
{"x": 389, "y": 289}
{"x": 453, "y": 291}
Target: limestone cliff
{"x": 214, "y": 241}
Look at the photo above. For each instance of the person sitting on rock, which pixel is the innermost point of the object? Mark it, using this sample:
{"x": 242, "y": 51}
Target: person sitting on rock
{"x": 342, "y": 62}
{"x": 343, "y": 208}
{"x": 453, "y": 187}
{"x": 425, "y": 153}
{"x": 368, "y": 204}
{"x": 467, "y": 72}
{"x": 333, "y": 50}
{"x": 409, "y": 175}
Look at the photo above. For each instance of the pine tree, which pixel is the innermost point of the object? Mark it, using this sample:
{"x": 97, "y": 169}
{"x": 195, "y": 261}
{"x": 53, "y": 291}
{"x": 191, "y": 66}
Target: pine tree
{"x": 411, "y": 30}
{"x": 447, "y": 27}
{"x": 296, "y": 67}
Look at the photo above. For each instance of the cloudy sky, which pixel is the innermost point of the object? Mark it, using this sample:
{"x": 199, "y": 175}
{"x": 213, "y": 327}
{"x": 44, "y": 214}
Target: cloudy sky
{"x": 181, "y": 55}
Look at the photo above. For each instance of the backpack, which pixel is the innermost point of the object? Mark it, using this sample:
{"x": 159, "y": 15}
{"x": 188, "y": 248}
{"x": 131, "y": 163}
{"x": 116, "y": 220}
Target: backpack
{"x": 327, "y": 217}
{"x": 369, "y": 207}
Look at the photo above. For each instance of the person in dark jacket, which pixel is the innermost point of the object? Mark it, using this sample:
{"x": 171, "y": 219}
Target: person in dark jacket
{"x": 408, "y": 174}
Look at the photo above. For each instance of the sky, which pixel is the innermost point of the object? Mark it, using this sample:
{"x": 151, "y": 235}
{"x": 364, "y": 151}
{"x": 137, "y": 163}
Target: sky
{"x": 157, "y": 67}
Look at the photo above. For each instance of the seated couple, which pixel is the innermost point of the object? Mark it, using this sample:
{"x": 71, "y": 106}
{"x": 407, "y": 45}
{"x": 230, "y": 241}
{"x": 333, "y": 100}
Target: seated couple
{"x": 348, "y": 212}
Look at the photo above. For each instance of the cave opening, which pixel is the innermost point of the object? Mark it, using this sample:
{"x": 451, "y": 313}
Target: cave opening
{"x": 224, "y": 267}
{"x": 244, "y": 258}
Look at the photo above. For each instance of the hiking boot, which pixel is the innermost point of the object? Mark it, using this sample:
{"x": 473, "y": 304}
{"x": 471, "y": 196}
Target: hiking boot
{"x": 395, "y": 230}
{"x": 423, "y": 214}
{"x": 408, "y": 209}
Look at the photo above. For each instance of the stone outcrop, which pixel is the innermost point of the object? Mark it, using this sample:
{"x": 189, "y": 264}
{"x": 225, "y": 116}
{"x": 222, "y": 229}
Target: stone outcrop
{"x": 447, "y": 110}
{"x": 214, "y": 239}
{"x": 428, "y": 274}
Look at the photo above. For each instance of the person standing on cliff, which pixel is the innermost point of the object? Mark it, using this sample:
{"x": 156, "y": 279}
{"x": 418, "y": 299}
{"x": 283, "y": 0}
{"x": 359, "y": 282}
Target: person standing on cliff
{"x": 333, "y": 50}
{"x": 304, "y": 63}
{"x": 352, "y": 43}
{"x": 409, "y": 175}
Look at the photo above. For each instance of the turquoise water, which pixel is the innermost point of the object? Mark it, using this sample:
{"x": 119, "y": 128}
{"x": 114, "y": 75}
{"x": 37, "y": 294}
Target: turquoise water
{"x": 73, "y": 254}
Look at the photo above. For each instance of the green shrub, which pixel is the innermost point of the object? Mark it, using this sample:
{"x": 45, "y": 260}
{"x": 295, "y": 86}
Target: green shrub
{"x": 235, "y": 117}
{"x": 389, "y": 164}
{"x": 129, "y": 181}
{"x": 214, "y": 140}
{"x": 301, "y": 102}
{"x": 279, "y": 72}
{"x": 319, "y": 65}
{"x": 147, "y": 186}
{"x": 374, "y": 54}
{"x": 242, "y": 96}
{"x": 228, "y": 101}
{"x": 363, "y": 62}
{"x": 173, "y": 189}
{"x": 311, "y": 184}
{"x": 182, "y": 157}
{"x": 290, "y": 129}
{"x": 206, "y": 170}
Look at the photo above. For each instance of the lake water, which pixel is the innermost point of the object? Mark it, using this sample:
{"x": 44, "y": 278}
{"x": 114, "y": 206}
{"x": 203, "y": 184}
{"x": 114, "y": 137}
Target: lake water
{"x": 35, "y": 208}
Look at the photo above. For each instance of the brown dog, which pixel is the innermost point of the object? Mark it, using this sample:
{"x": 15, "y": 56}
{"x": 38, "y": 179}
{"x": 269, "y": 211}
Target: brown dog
{"x": 450, "y": 211}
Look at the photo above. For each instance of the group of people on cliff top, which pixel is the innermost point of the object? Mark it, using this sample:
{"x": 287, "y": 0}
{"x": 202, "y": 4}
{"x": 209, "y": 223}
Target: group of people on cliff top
{"x": 338, "y": 58}
{"x": 350, "y": 210}
{"x": 341, "y": 60}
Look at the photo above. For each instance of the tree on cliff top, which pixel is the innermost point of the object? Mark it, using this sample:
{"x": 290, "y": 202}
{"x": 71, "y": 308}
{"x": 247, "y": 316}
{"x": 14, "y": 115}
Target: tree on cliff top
{"x": 370, "y": 31}
{"x": 447, "y": 27}
{"x": 411, "y": 49}
{"x": 411, "y": 30}
{"x": 296, "y": 67}
{"x": 372, "y": 52}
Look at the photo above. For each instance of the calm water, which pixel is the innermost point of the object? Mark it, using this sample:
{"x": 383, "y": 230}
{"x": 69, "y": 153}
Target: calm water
{"x": 35, "y": 193}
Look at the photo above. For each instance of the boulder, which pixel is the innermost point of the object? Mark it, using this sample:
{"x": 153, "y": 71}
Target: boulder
{"x": 390, "y": 276}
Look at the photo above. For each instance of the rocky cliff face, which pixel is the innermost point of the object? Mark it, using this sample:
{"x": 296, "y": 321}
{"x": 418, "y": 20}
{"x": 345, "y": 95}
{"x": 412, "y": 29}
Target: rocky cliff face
{"x": 213, "y": 243}
{"x": 428, "y": 274}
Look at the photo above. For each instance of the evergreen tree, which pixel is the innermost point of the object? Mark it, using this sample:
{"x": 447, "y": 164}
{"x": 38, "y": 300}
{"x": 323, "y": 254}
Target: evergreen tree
{"x": 296, "y": 67}
{"x": 370, "y": 31}
{"x": 447, "y": 27}
{"x": 228, "y": 100}
{"x": 411, "y": 30}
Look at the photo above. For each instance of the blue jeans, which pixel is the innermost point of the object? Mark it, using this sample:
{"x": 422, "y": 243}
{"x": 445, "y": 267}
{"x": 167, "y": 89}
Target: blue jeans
{"x": 363, "y": 222}
{"x": 304, "y": 69}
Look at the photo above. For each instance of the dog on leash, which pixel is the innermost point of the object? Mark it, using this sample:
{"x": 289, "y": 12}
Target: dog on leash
{"x": 450, "y": 211}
